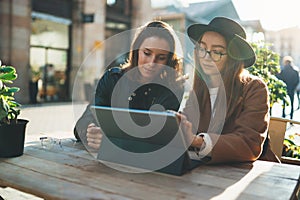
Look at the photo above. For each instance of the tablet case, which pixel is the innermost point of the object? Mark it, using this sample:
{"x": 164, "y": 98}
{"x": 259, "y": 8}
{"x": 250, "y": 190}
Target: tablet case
{"x": 143, "y": 143}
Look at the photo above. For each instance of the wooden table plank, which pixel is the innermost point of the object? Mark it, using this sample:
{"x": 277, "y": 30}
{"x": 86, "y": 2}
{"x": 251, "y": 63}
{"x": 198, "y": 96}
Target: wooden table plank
{"x": 174, "y": 183}
{"x": 73, "y": 170}
{"x": 98, "y": 181}
{"x": 32, "y": 182}
{"x": 227, "y": 179}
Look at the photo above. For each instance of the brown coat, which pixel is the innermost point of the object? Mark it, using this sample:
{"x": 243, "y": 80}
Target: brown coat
{"x": 242, "y": 137}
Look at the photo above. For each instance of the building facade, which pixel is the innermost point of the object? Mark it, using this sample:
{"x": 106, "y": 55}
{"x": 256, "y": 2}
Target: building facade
{"x": 56, "y": 43}
{"x": 286, "y": 42}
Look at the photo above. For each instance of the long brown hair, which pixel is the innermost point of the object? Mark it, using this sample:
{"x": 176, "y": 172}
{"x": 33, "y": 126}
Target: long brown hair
{"x": 234, "y": 77}
{"x": 162, "y": 30}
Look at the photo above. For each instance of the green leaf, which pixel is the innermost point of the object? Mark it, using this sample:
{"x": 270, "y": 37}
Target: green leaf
{"x": 8, "y": 77}
{"x": 4, "y": 108}
{"x": 13, "y": 89}
{"x": 9, "y": 108}
{"x": 7, "y": 69}
{"x": 288, "y": 142}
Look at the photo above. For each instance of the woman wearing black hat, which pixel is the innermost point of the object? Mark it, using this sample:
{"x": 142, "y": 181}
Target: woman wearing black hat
{"x": 227, "y": 120}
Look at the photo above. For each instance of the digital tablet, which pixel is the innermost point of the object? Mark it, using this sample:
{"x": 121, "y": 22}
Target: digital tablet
{"x": 130, "y": 135}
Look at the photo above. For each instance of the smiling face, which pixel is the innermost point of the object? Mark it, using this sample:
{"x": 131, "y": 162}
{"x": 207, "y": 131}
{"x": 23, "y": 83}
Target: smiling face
{"x": 153, "y": 55}
{"x": 213, "y": 42}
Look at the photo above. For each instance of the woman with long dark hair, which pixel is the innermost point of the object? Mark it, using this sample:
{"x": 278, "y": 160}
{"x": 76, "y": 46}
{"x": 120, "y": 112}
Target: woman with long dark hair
{"x": 147, "y": 79}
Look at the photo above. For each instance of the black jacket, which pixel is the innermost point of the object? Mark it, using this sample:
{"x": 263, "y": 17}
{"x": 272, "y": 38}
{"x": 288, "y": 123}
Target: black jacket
{"x": 291, "y": 78}
{"x": 117, "y": 90}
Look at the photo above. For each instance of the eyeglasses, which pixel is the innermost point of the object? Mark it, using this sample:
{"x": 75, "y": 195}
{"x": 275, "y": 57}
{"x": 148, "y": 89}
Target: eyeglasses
{"x": 214, "y": 55}
{"x": 50, "y": 143}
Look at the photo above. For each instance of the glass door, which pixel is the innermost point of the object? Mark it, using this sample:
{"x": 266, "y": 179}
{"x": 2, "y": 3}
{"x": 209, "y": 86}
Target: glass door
{"x": 49, "y": 45}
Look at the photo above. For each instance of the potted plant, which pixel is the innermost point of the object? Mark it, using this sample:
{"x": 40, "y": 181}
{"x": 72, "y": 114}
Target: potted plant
{"x": 12, "y": 129}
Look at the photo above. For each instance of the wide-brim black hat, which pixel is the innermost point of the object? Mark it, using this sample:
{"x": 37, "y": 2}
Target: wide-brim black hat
{"x": 231, "y": 30}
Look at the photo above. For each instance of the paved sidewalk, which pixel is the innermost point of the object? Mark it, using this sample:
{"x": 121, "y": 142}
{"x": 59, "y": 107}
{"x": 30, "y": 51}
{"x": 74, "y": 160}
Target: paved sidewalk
{"x": 52, "y": 119}
{"x": 277, "y": 112}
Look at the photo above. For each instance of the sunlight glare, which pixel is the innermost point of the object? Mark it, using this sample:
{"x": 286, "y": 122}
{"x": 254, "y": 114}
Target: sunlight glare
{"x": 274, "y": 15}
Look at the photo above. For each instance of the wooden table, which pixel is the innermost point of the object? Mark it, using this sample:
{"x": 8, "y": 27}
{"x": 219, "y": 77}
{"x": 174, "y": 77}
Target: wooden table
{"x": 72, "y": 173}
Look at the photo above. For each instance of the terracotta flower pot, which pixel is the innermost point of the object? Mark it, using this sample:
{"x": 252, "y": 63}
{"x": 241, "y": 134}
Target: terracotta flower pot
{"x": 12, "y": 138}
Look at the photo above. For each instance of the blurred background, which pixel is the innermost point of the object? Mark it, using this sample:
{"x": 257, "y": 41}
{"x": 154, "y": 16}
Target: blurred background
{"x": 49, "y": 40}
